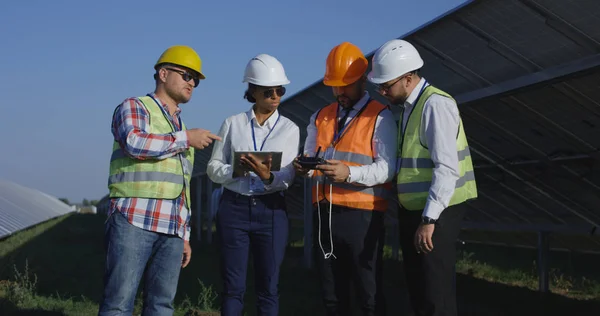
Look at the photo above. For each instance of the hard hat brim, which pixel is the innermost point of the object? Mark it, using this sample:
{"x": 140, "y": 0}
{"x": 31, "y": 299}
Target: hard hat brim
{"x": 376, "y": 80}
{"x": 340, "y": 83}
{"x": 266, "y": 83}
{"x": 201, "y": 76}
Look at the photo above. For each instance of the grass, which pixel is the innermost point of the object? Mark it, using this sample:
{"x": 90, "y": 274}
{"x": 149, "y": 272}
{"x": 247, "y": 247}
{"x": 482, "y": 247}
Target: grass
{"x": 519, "y": 275}
{"x": 56, "y": 269}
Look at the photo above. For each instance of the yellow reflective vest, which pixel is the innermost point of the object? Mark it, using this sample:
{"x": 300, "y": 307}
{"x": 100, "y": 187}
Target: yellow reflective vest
{"x": 152, "y": 178}
{"x": 416, "y": 167}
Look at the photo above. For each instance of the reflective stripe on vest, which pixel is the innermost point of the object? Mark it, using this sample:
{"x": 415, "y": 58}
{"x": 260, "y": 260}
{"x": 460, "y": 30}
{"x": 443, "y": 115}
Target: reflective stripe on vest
{"x": 354, "y": 148}
{"x": 354, "y": 158}
{"x": 416, "y": 167}
{"x": 151, "y": 178}
{"x": 428, "y": 163}
{"x": 187, "y": 164}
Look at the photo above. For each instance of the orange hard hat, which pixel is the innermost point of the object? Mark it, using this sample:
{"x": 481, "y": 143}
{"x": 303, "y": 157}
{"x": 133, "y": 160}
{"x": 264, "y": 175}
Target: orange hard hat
{"x": 345, "y": 64}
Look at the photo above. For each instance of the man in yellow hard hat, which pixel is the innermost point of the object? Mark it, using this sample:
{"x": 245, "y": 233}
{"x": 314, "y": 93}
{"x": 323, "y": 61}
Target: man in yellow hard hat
{"x": 351, "y": 191}
{"x": 147, "y": 232}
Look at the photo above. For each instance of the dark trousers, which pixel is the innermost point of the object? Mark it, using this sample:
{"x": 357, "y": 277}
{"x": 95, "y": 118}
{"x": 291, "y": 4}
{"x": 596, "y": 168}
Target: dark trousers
{"x": 430, "y": 277}
{"x": 258, "y": 224}
{"x": 358, "y": 238}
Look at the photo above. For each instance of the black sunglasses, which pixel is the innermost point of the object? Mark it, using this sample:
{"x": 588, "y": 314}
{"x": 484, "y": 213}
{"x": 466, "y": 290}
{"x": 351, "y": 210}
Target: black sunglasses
{"x": 186, "y": 76}
{"x": 269, "y": 93}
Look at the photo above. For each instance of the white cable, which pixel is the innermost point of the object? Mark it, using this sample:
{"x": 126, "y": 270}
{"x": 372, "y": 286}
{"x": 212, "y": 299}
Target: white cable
{"x": 330, "y": 253}
{"x": 319, "y": 216}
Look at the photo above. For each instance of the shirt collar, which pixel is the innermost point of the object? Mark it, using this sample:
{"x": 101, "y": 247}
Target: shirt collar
{"x": 164, "y": 105}
{"x": 412, "y": 98}
{"x": 268, "y": 123}
{"x": 361, "y": 103}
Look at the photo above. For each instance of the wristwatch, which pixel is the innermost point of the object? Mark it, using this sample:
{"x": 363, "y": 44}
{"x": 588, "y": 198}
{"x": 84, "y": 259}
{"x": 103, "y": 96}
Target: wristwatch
{"x": 270, "y": 180}
{"x": 427, "y": 220}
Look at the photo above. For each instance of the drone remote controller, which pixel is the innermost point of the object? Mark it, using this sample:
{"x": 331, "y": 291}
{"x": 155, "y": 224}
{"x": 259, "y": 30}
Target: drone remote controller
{"x": 311, "y": 162}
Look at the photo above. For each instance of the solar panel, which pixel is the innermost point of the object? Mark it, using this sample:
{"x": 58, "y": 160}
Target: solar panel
{"x": 525, "y": 31}
{"x": 22, "y": 207}
{"x": 582, "y": 14}
{"x": 453, "y": 39}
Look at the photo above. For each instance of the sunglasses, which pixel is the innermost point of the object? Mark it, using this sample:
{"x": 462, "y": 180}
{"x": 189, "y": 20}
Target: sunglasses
{"x": 269, "y": 93}
{"x": 186, "y": 76}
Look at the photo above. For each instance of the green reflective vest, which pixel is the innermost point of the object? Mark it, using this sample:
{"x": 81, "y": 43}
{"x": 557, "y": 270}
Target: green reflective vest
{"x": 416, "y": 167}
{"x": 152, "y": 178}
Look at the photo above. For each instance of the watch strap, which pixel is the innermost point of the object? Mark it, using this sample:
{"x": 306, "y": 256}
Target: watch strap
{"x": 270, "y": 180}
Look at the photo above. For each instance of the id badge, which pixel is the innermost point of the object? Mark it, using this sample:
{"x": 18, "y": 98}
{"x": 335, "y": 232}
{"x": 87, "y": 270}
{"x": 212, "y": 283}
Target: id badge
{"x": 256, "y": 184}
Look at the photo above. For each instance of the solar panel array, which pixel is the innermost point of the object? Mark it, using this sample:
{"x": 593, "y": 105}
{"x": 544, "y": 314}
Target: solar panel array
{"x": 22, "y": 207}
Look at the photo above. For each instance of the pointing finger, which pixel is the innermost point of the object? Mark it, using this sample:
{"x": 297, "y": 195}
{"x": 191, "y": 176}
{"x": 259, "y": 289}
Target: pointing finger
{"x": 213, "y": 136}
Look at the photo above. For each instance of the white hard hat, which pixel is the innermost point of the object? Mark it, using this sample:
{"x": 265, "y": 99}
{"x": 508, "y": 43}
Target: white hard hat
{"x": 392, "y": 60}
{"x": 265, "y": 70}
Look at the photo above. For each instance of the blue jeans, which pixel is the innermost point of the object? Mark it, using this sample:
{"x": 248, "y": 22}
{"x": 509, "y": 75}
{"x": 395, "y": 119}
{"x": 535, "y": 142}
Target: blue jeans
{"x": 129, "y": 250}
{"x": 258, "y": 224}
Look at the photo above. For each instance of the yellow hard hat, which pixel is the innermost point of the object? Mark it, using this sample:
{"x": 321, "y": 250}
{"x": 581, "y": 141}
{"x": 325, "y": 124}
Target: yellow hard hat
{"x": 184, "y": 56}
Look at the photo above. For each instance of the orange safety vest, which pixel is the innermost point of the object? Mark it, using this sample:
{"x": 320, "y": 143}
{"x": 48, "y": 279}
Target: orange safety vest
{"x": 354, "y": 148}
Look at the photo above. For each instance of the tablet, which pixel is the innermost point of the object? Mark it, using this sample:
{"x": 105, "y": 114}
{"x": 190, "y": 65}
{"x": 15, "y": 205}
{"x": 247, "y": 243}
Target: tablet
{"x": 260, "y": 155}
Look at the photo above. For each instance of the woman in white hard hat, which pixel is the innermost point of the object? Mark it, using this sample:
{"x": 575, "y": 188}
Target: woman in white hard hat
{"x": 252, "y": 213}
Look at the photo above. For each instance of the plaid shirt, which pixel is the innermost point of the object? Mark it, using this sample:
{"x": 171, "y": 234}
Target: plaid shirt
{"x": 130, "y": 128}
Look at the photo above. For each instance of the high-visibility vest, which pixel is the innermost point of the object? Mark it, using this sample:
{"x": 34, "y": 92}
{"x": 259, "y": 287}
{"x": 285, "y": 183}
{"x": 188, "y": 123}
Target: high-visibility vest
{"x": 416, "y": 167}
{"x": 354, "y": 148}
{"x": 151, "y": 178}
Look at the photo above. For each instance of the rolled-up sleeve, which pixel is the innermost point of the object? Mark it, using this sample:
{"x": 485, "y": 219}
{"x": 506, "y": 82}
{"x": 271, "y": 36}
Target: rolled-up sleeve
{"x": 384, "y": 143}
{"x": 130, "y": 128}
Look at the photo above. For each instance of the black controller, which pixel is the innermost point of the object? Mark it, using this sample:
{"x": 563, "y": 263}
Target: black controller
{"x": 311, "y": 162}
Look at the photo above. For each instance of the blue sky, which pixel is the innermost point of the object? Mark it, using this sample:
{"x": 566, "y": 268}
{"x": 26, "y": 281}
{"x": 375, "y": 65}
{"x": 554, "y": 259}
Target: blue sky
{"x": 67, "y": 64}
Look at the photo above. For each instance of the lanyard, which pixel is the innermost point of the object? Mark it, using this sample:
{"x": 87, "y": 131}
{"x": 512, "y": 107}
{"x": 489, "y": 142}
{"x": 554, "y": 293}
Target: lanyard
{"x": 167, "y": 114}
{"x": 264, "y": 140}
{"x": 336, "y": 135}
{"x": 413, "y": 108}
{"x": 402, "y": 126}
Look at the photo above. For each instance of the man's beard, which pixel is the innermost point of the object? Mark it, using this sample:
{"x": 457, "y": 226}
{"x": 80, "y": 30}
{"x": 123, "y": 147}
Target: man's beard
{"x": 397, "y": 101}
{"x": 345, "y": 101}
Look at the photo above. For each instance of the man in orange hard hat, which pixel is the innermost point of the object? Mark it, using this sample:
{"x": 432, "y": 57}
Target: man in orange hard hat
{"x": 147, "y": 232}
{"x": 350, "y": 191}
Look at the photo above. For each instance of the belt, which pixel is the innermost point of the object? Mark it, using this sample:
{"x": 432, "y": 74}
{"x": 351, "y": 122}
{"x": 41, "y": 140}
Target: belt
{"x": 270, "y": 199}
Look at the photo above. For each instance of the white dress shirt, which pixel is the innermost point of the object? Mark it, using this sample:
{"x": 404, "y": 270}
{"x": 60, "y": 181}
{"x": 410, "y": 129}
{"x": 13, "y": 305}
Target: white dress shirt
{"x": 236, "y": 135}
{"x": 384, "y": 142}
{"x": 439, "y": 127}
